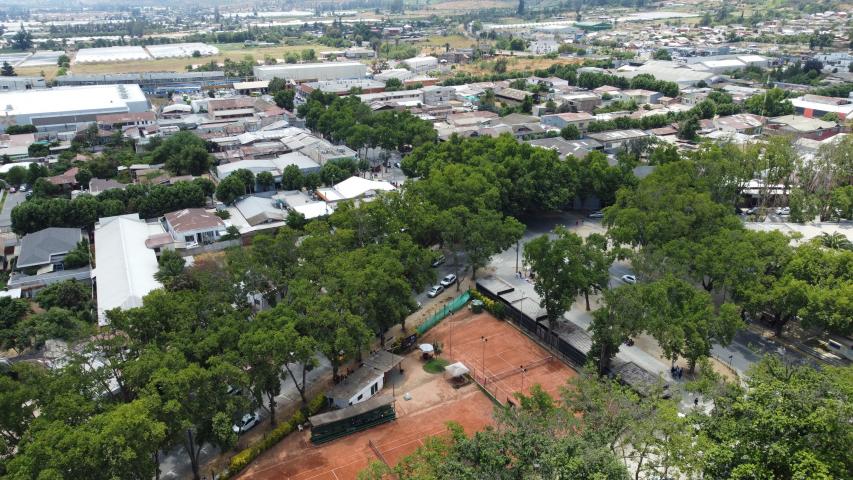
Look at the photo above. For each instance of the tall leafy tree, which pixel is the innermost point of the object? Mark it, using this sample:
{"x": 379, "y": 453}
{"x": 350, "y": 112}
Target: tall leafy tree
{"x": 789, "y": 423}
{"x": 558, "y": 265}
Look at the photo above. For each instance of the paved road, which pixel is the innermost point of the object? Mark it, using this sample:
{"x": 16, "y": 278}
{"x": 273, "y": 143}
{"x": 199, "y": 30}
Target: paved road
{"x": 175, "y": 463}
{"x": 12, "y": 200}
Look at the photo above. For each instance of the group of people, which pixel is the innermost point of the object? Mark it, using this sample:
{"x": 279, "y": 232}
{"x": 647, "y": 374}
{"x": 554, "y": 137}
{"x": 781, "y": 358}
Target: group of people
{"x": 677, "y": 372}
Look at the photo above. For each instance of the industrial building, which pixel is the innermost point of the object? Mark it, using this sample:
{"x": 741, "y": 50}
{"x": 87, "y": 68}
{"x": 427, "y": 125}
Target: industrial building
{"x": 157, "y": 83}
{"x": 683, "y": 75}
{"x": 66, "y": 108}
{"x": 8, "y": 84}
{"x": 307, "y": 72}
{"x": 340, "y": 87}
{"x": 421, "y": 64}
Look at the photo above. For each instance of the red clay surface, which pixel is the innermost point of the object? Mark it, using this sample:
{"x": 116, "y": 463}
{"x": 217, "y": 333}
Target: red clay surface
{"x": 434, "y": 402}
{"x": 478, "y": 339}
{"x": 295, "y": 458}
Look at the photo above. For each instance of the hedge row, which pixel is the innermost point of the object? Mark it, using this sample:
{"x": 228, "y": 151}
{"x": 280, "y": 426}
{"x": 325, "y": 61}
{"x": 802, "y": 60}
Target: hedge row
{"x": 495, "y": 308}
{"x": 245, "y": 457}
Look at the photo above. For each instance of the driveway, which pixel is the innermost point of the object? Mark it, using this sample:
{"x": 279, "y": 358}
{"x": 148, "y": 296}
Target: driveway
{"x": 175, "y": 464}
{"x": 12, "y": 201}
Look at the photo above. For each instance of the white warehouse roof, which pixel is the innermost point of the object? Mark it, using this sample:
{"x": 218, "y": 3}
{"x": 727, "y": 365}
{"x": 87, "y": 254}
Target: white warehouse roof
{"x": 111, "y": 54}
{"x": 312, "y": 71}
{"x": 57, "y": 105}
{"x": 125, "y": 266}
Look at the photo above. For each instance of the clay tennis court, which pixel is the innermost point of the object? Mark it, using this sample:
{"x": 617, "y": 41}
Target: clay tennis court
{"x": 499, "y": 356}
{"x": 434, "y": 402}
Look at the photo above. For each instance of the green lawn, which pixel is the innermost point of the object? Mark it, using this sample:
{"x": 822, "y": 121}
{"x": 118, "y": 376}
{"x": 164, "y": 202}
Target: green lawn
{"x": 436, "y": 365}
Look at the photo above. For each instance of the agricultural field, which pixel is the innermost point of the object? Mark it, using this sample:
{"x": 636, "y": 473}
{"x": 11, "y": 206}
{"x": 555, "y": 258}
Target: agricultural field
{"x": 234, "y": 51}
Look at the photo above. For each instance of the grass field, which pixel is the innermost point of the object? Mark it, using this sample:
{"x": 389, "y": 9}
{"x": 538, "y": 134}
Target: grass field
{"x": 234, "y": 51}
{"x": 513, "y": 64}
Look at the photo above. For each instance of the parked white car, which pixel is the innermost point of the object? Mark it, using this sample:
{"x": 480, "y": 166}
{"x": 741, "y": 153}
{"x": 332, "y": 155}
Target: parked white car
{"x": 434, "y": 291}
{"x": 246, "y": 423}
{"x": 629, "y": 279}
{"x": 448, "y": 280}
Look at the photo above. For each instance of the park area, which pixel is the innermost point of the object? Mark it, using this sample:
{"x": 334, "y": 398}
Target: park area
{"x": 433, "y": 401}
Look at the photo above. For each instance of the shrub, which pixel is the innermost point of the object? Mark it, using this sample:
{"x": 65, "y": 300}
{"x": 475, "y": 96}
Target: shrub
{"x": 245, "y": 457}
{"x": 497, "y": 309}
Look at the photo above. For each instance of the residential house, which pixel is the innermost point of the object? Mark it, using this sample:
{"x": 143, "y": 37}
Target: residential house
{"x": 98, "y": 185}
{"x": 579, "y": 101}
{"x": 564, "y": 148}
{"x": 613, "y": 140}
{"x": 274, "y": 166}
{"x": 193, "y": 226}
{"x": 639, "y": 95}
{"x": 41, "y": 260}
{"x": 511, "y": 96}
{"x": 561, "y": 120}
{"x": 65, "y": 180}
{"x": 803, "y": 127}
{"x": 745, "y": 123}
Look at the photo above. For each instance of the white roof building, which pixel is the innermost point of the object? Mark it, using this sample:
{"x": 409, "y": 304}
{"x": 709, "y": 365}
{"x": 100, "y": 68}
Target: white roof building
{"x": 421, "y": 64}
{"x": 275, "y": 166}
{"x": 311, "y": 71}
{"x": 352, "y": 188}
{"x": 125, "y": 266}
{"x": 65, "y": 108}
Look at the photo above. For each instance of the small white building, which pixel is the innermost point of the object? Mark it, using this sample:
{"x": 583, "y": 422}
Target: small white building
{"x": 421, "y": 64}
{"x": 354, "y": 188}
{"x": 364, "y": 382}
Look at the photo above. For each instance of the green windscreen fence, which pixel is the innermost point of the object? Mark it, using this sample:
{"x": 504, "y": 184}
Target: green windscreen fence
{"x": 446, "y": 310}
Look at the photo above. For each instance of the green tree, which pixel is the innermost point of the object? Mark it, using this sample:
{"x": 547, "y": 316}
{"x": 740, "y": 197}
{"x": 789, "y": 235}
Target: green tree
{"x": 23, "y": 40}
{"x": 284, "y": 99}
{"x": 230, "y": 189}
{"x": 773, "y": 103}
{"x": 119, "y": 443}
{"x": 171, "y": 269}
{"x": 536, "y": 440}
{"x": 78, "y": 257}
{"x": 789, "y": 423}
{"x": 393, "y": 84}
{"x": 308, "y": 55}
{"x": 619, "y": 319}
{"x": 558, "y": 265}
{"x": 688, "y": 127}
{"x": 662, "y": 54}
{"x": 195, "y": 408}
{"x": 292, "y": 178}
{"x": 277, "y": 85}
{"x": 7, "y": 70}
{"x": 70, "y": 294}
{"x": 266, "y": 180}
{"x": 570, "y": 132}
{"x": 183, "y": 154}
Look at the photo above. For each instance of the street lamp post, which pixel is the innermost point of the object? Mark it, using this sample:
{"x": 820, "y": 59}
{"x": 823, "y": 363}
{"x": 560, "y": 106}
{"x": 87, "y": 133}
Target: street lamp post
{"x": 523, "y": 370}
{"x": 483, "y": 360}
{"x": 517, "y": 248}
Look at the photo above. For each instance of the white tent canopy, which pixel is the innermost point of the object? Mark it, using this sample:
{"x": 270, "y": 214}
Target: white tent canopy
{"x": 456, "y": 370}
{"x": 426, "y": 348}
